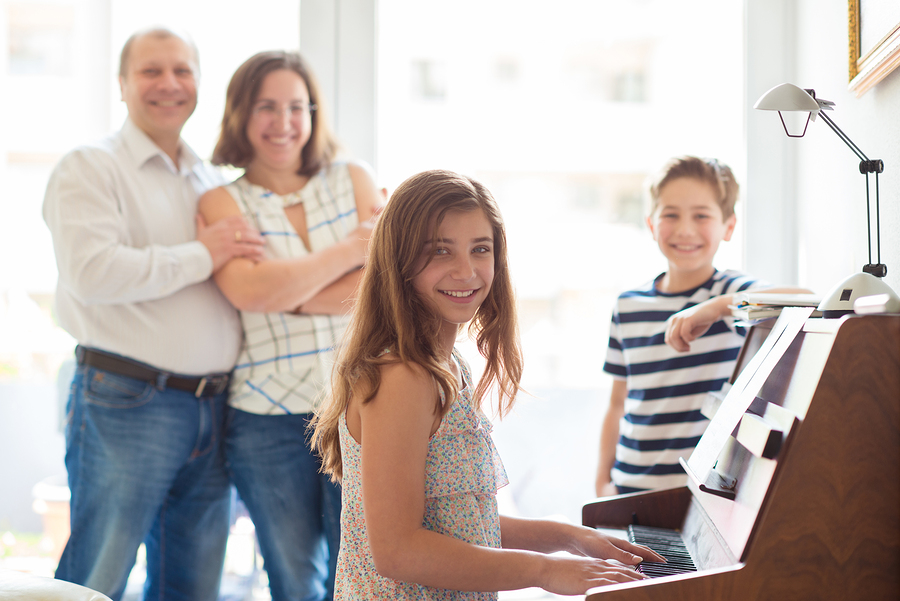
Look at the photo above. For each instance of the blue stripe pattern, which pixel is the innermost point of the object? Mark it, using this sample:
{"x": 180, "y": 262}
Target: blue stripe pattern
{"x": 285, "y": 361}
{"x": 259, "y": 390}
{"x": 284, "y": 356}
{"x": 653, "y": 470}
{"x": 657, "y": 419}
{"x": 677, "y": 390}
{"x": 653, "y": 437}
{"x": 331, "y": 221}
{"x": 659, "y": 445}
{"x": 684, "y": 361}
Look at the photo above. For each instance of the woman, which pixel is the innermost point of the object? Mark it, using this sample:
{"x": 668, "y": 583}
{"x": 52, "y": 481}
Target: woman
{"x": 315, "y": 214}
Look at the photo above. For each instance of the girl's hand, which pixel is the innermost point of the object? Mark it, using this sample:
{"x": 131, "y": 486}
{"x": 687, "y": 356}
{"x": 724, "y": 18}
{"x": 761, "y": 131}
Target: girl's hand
{"x": 591, "y": 543}
{"x": 572, "y": 575}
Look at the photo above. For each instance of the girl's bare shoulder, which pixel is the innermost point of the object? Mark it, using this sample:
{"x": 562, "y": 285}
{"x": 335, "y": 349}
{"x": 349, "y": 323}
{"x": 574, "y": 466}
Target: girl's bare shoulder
{"x": 399, "y": 375}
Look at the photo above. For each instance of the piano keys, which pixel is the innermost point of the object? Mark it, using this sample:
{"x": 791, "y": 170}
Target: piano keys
{"x": 667, "y": 543}
{"x": 804, "y": 498}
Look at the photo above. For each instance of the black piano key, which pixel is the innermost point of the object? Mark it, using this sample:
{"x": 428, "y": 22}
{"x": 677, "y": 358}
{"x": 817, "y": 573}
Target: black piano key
{"x": 667, "y": 543}
{"x": 658, "y": 570}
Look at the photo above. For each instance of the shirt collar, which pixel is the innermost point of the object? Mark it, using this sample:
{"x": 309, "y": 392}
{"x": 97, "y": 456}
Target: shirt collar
{"x": 144, "y": 149}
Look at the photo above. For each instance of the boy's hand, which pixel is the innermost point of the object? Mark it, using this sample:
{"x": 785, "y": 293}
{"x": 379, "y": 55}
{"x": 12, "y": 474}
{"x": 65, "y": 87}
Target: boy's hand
{"x": 605, "y": 489}
{"x": 686, "y": 326}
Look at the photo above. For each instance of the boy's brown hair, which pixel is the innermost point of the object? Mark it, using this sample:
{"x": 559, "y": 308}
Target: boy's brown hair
{"x": 716, "y": 174}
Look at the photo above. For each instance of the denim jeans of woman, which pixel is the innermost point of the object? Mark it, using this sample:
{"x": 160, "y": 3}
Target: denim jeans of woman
{"x": 295, "y": 508}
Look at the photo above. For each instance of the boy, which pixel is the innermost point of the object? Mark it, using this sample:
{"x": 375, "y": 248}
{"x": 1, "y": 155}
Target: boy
{"x": 654, "y": 411}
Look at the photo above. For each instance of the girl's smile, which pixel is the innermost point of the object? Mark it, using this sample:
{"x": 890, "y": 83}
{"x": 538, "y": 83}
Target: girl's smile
{"x": 456, "y": 267}
{"x": 460, "y": 294}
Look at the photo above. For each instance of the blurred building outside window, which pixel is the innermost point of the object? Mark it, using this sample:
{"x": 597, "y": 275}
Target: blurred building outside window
{"x": 563, "y": 110}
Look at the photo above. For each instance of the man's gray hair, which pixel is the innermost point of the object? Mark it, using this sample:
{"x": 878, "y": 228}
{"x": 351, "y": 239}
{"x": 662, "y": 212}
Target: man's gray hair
{"x": 158, "y": 32}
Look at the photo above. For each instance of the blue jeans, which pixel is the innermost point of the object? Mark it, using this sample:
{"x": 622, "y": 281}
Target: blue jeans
{"x": 295, "y": 508}
{"x": 145, "y": 465}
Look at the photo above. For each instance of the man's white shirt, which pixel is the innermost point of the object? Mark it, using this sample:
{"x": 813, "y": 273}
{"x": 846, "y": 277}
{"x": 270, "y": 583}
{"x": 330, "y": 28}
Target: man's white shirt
{"x": 133, "y": 279}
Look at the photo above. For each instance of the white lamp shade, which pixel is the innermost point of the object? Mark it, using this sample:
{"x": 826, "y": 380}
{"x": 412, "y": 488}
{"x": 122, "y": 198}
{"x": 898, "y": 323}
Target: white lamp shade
{"x": 787, "y": 97}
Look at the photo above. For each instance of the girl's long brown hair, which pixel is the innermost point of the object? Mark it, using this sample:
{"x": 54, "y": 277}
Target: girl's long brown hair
{"x": 389, "y": 314}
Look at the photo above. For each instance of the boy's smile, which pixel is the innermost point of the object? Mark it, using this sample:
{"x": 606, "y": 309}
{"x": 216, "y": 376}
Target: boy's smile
{"x": 688, "y": 226}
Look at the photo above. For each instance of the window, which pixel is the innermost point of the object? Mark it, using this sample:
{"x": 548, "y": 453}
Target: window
{"x": 428, "y": 80}
{"x": 562, "y": 109}
{"x": 58, "y": 89}
{"x": 40, "y": 38}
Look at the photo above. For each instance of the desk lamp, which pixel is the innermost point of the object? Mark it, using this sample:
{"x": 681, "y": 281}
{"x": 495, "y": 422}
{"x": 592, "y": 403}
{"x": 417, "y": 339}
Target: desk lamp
{"x": 868, "y": 285}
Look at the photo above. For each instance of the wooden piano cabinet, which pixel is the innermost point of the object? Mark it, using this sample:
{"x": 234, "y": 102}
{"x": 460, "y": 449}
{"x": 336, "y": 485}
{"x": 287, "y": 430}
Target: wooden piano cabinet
{"x": 828, "y": 525}
{"x": 660, "y": 508}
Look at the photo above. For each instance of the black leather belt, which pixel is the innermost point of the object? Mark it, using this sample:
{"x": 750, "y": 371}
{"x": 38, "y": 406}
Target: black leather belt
{"x": 209, "y": 385}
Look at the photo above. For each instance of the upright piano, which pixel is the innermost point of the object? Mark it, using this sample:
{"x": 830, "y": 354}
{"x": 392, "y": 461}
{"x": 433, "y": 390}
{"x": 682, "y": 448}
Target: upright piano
{"x": 802, "y": 500}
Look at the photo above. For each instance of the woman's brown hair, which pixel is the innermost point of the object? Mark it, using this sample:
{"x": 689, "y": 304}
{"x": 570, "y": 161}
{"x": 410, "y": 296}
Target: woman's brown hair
{"x": 233, "y": 147}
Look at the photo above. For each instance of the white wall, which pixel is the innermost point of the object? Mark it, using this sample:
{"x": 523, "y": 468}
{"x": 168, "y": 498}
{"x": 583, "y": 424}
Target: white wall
{"x": 817, "y": 175}
{"x": 804, "y": 198}
{"x": 337, "y": 37}
{"x": 827, "y": 170}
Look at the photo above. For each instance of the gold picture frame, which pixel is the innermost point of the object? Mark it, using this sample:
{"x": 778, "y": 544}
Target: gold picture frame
{"x": 871, "y": 64}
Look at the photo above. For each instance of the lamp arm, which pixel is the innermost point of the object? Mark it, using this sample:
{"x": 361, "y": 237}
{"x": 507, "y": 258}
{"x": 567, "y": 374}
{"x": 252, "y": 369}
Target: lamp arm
{"x": 866, "y": 166}
{"x": 877, "y": 221}
{"x": 869, "y": 221}
{"x": 859, "y": 153}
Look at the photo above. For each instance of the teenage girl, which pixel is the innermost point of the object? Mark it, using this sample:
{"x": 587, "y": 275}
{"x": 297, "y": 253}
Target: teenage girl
{"x": 403, "y": 429}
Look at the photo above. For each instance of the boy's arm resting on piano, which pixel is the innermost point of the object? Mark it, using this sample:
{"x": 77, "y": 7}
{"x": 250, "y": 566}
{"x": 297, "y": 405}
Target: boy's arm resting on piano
{"x": 609, "y": 437}
{"x": 686, "y": 326}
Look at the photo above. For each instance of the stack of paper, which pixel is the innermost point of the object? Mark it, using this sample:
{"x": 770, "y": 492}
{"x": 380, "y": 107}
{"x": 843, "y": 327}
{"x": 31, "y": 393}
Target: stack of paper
{"x": 752, "y": 307}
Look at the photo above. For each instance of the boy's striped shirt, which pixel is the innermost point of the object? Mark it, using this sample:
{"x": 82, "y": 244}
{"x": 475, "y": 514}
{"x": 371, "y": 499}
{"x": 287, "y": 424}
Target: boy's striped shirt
{"x": 666, "y": 388}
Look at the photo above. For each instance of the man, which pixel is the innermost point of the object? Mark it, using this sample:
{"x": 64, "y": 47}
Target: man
{"x": 156, "y": 339}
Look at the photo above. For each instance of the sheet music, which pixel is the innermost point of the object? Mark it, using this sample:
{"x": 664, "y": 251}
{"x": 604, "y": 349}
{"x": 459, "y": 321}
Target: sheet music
{"x": 745, "y": 389}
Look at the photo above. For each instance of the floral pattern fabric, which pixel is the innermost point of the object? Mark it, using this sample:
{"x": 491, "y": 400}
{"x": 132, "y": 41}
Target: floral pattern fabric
{"x": 463, "y": 472}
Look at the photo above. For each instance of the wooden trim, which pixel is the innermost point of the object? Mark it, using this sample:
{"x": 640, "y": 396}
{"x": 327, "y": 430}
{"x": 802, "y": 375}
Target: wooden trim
{"x": 660, "y": 508}
{"x": 853, "y": 35}
{"x": 867, "y": 70}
